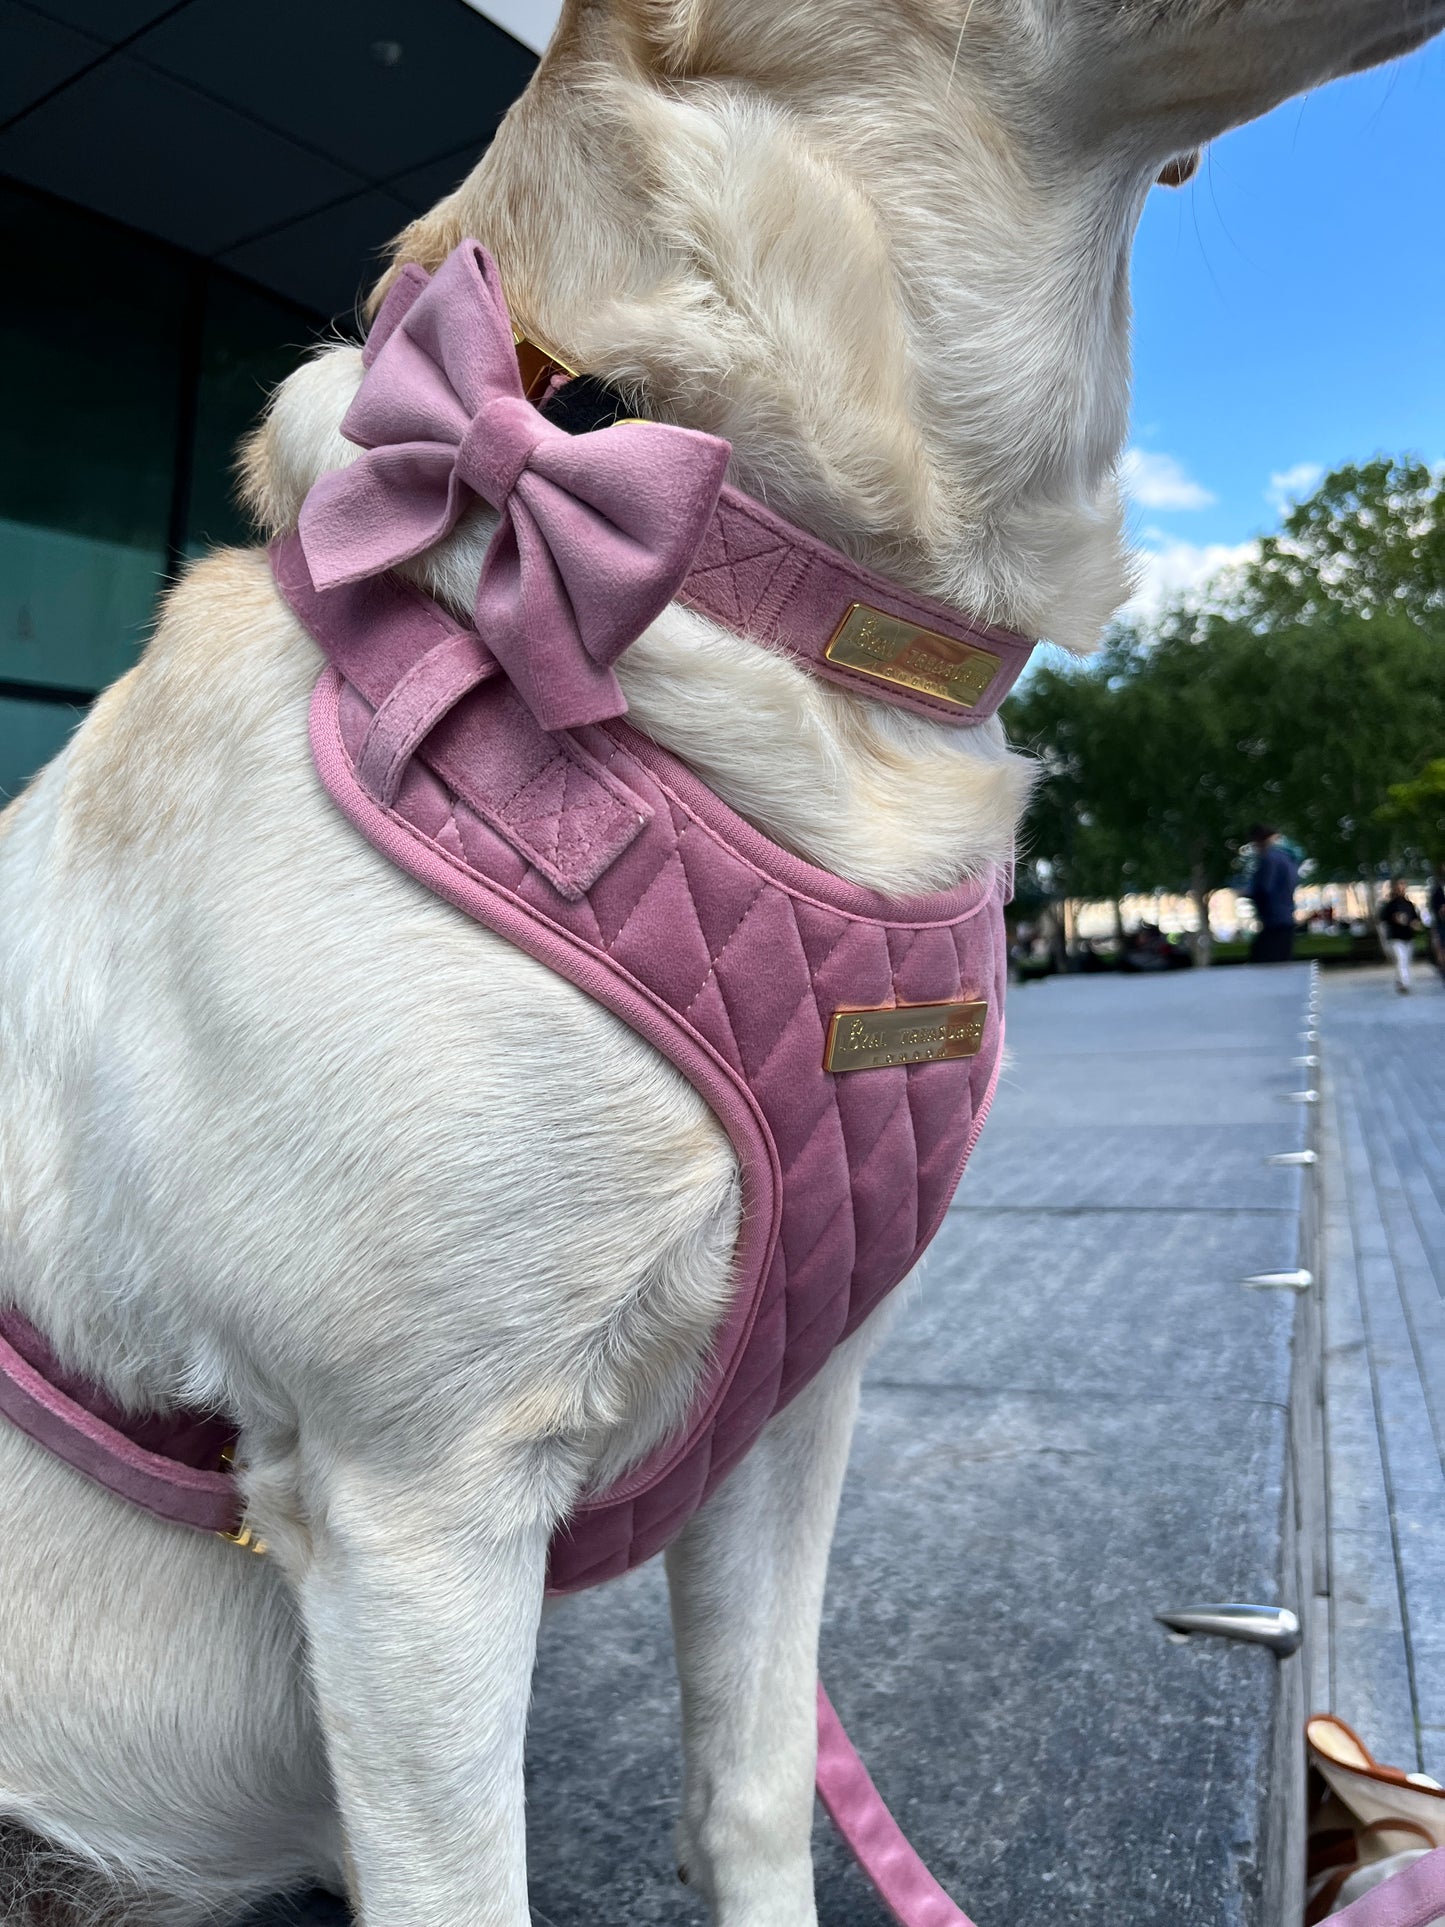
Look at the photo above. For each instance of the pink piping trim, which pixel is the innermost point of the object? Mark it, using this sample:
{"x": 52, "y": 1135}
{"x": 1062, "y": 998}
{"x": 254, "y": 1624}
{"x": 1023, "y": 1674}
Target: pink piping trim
{"x": 187, "y": 1496}
{"x": 602, "y": 978}
{"x": 571, "y": 957}
{"x": 855, "y": 1806}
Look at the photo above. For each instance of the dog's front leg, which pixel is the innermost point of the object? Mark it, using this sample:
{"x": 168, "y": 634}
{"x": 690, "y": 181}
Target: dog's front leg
{"x": 747, "y": 1594}
{"x": 421, "y": 1603}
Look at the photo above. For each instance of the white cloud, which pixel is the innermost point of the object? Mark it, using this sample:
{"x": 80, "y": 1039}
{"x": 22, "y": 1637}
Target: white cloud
{"x": 1288, "y": 485}
{"x": 1160, "y": 482}
{"x": 1169, "y": 568}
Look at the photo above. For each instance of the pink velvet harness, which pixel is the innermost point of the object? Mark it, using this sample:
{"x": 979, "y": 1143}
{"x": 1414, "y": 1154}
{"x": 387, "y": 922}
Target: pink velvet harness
{"x": 519, "y": 795}
{"x": 727, "y": 954}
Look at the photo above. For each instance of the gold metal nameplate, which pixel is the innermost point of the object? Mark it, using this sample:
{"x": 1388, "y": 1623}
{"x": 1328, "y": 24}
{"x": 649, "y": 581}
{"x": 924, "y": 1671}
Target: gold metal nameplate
{"x": 867, "y": 1040}
{"x": 912, "y": 658}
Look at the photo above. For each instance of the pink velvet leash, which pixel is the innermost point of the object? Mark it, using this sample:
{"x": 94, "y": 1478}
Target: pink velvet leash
{"x": 1414, "y": 1898}
{"x": 904, "y": 1885}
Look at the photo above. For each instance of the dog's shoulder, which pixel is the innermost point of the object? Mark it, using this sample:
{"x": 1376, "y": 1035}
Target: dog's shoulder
{"x": 226, "y": 659}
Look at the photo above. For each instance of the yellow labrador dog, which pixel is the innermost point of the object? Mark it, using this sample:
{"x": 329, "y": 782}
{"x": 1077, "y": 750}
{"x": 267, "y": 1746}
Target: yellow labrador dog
{"x": 882, "y": 247}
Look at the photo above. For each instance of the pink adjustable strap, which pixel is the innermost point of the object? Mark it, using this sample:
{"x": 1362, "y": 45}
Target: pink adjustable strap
{"x": 855, "y": 1806}
{"x": 1414, "y": 1898}
{"x": 187, "y": 1495}
{"x": 432, "y": 684}
{"x": 449, "y": 670}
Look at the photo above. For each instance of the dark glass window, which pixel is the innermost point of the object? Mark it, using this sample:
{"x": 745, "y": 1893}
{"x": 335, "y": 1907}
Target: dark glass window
{"x": 128, "y": 373}
{"x": 30, "y": 734}
{"x": 89, "y": 358}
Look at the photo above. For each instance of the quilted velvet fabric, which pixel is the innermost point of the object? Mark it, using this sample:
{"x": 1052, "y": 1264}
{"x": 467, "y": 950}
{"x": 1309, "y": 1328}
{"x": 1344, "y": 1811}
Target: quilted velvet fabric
{"x": 731, "y": 956}
{"x": 601, "y": 855}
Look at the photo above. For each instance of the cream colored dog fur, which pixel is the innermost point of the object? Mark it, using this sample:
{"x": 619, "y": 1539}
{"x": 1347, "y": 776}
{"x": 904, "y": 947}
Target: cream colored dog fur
{"x": 279, "y": 1132}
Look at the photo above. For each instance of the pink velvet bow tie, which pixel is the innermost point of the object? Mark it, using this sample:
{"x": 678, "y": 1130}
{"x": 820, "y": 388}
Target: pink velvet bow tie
{"x": 595, "y": 533}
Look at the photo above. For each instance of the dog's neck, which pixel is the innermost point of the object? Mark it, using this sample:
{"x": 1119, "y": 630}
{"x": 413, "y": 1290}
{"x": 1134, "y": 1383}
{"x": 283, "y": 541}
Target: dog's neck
{"x": 910, "y": 323}
{"x": 936, "y": 387}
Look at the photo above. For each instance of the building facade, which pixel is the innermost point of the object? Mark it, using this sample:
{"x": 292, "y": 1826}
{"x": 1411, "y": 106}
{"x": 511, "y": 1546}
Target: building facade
{"x": 191, "y": 195}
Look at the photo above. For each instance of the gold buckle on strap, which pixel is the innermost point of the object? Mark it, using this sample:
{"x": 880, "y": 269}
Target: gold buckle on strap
{"x": 245, "y": 1539}
{"x": 242, "y": 1536}
{"x": 537, "y": 365}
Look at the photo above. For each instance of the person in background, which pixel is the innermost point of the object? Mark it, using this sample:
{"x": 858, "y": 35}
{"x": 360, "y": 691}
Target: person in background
{"x": 1399, "y": 920}
{"x": 1271, "y": 889}
{"x": 1437, "y": 917}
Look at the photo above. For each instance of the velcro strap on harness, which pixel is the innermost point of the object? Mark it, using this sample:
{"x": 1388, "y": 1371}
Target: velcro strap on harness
{"x": 437, "y": 694}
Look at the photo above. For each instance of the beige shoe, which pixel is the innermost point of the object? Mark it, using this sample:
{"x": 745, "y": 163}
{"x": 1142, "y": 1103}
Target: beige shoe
{"x": 1378, "y": 1796}
{"x": 1374, "y": 1821}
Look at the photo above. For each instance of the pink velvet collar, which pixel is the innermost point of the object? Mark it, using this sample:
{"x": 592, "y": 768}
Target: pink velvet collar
{"x": 598, "y": 531}
{"x": 777, "y": 585}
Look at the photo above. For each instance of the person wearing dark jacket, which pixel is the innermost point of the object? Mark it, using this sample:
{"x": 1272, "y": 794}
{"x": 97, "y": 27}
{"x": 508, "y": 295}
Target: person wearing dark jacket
{"x": 1437, "y": 917}
{"x": 1271, "y": 888}
{"x": 1399, "y": 920}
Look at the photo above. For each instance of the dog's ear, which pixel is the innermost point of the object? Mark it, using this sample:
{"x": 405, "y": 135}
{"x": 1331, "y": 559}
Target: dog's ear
{"x": 1181, "y": 169}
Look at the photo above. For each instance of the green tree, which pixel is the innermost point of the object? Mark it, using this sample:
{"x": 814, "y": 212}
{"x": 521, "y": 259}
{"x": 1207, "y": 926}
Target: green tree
{"x": 1323, "y": 716}
{"x": 1370, "y": 540}
{"x": 1138, "y": 788}
{"x": 1076, "y": 842}
{"x": 1416, "y": 812}
{"x": 1300, "y": 693}
{"x": 1192, "y": 719}
{"x": 1359, "y": 705}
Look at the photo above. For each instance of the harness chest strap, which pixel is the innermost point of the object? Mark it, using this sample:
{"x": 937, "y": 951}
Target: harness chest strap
{"x": 170, "y": 1465}
{"x": 543, "y": 791}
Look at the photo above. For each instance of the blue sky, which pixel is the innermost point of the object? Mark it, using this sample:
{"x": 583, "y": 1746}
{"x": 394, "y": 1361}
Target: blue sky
{"x": 1290, "y": 310}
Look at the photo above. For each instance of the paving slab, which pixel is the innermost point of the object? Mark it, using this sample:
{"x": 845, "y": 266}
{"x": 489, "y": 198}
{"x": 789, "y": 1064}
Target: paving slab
{"x": 1069, "y": 1301}
{"x": 1168, "y": 1167}
{"x": 1221, "y": 1010}
{"x": 990, "y": 1642}
{"x": 1368, "y": 1667}
{"x": 1149, "y": 1087}
{"x": 1384, "y": 1266}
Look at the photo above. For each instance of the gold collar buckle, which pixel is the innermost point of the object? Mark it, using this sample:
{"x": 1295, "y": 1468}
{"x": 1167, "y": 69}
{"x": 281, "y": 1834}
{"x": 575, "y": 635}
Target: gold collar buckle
{"x": 537, "y": 366}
